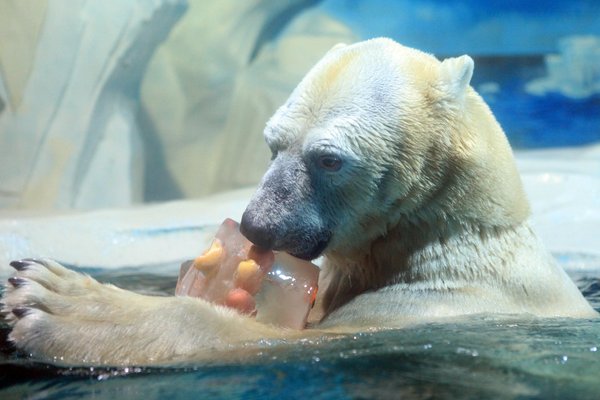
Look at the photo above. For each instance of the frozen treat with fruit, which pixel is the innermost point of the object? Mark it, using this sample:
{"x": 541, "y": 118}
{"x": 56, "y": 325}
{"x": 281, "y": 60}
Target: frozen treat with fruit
{"x": 272, "y": 286}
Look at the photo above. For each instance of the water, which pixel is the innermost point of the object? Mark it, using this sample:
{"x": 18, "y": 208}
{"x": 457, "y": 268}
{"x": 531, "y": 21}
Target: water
{"x": 484, "y": 356}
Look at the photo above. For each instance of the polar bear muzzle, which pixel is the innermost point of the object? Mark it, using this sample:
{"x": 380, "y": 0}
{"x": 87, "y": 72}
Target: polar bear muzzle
{"x": 285, "y": 214}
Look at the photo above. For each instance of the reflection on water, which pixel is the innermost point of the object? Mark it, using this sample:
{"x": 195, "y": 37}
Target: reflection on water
{"x": 481, "y": 357}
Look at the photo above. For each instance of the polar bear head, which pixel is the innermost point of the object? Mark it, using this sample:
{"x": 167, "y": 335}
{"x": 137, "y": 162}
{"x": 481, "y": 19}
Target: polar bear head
{"x": 377, "y": 136}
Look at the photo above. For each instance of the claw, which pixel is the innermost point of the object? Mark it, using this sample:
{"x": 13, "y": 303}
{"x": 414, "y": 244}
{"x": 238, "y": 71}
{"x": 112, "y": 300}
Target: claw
{"x": 20, "y": 312}
{"x": 17, "y": 282}
{"x": 36, "y": 261}
{"x": 21, "y": 265}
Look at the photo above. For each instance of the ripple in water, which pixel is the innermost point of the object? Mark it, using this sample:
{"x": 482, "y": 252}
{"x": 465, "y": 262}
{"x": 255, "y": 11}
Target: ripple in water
{"x": 484, "y": 356}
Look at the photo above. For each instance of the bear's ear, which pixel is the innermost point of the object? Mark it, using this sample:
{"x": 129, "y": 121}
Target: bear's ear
{"x": 455, "y": 76}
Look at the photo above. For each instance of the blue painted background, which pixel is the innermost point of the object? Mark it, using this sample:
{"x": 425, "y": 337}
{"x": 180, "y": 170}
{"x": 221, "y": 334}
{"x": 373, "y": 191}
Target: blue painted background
{"x": 478, "y": 27}
{"x": 508, "y": 40}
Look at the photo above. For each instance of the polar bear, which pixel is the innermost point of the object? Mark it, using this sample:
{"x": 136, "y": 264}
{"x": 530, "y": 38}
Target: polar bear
{"x": 386, "y": 162}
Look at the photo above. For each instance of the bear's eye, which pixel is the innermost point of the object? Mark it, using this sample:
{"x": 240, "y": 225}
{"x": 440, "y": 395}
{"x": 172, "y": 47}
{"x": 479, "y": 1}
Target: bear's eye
{"x": 329, "y": 162}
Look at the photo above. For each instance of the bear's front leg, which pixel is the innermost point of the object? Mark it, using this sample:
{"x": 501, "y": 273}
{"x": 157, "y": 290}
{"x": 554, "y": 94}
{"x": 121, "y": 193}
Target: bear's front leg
{"x": 67, "y": 317}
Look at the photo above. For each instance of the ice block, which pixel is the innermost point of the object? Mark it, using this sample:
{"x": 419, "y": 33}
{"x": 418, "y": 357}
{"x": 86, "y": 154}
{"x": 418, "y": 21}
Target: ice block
{"x": 275, "y": 287}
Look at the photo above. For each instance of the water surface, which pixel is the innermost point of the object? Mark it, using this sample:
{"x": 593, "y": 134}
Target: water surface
{"x": 484, "y": 356}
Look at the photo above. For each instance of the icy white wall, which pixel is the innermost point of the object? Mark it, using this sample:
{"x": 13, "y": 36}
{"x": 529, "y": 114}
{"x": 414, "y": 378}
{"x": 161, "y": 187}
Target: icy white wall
{"x": 227, "y": 66}
{"x": 70, "y": 75}
{"x": 71, "y": 131}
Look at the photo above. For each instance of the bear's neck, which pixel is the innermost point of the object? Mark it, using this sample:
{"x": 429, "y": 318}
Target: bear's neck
{"x": 421, "y": 257}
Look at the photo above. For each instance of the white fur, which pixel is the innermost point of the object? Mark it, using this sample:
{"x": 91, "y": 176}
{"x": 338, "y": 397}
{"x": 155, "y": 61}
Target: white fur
{"x": 431, "y": 222}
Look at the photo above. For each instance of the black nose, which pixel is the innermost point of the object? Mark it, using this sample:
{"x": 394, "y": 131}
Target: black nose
{"x": 257, "y": 230}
